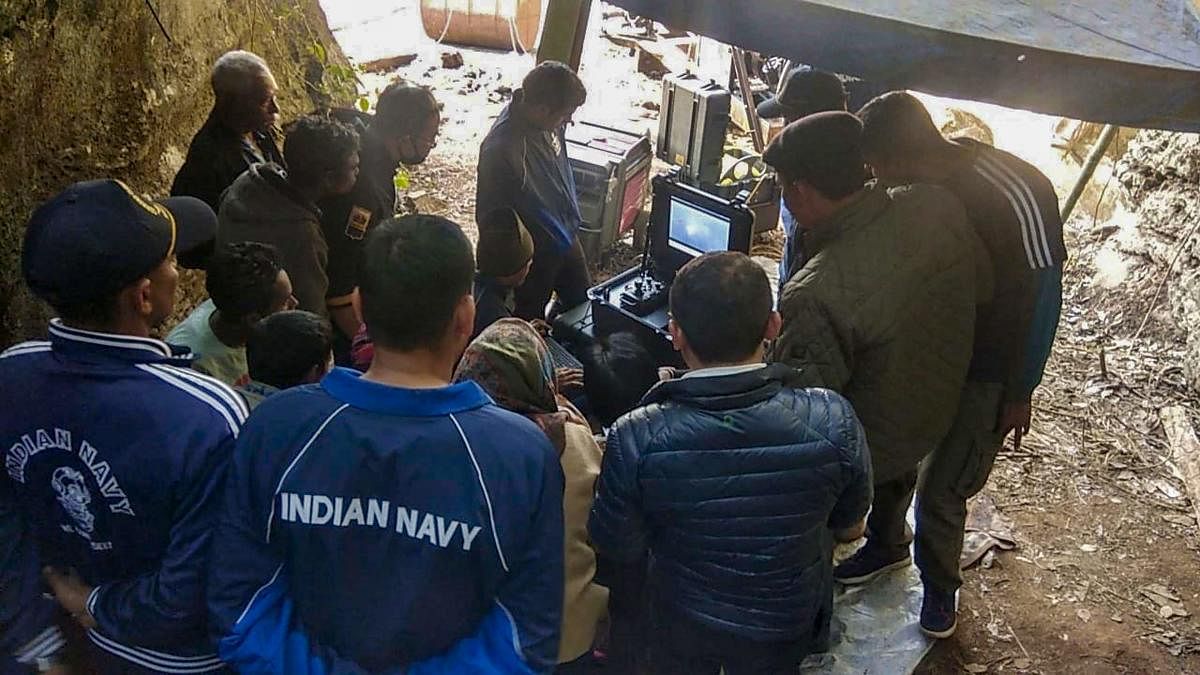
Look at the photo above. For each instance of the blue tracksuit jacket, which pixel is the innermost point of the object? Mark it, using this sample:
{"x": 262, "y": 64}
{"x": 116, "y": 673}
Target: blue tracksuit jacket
{"x": 373, "y": 528}
{"x": 27, "y": 628}
{"x": 528, "y": 170}
{"x": 114, "y": 453}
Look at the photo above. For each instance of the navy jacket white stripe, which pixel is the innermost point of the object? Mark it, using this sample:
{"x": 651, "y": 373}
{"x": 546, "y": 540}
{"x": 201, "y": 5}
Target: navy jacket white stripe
{"x": 27, "y": 618}
{"x": 1031, "y": 197}
{"x": 115, "y": 451}
{"x": 372, "y": 528}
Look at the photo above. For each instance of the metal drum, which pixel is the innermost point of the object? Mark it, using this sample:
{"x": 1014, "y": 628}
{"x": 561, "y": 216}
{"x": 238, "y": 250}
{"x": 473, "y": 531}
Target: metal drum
{"x": 510, "y": 25}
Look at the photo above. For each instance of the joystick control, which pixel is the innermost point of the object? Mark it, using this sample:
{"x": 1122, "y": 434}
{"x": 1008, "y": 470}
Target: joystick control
{"x": 642, "y": 295}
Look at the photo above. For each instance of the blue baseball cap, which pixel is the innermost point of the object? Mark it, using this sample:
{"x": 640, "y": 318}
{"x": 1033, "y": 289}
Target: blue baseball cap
{"x": 96, "y": 237}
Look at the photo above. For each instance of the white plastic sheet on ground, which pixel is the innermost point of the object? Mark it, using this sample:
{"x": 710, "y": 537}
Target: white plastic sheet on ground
{"x": 876, "y": 627}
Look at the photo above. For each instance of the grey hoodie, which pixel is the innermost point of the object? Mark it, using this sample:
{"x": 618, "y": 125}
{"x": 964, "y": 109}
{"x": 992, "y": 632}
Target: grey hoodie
{"x": 261, "y": 206}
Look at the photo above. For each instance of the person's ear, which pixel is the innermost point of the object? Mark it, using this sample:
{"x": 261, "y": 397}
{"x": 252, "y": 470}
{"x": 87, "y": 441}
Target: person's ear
{"x": 790, "y": 187}
{"x": 407, "y": 147}
{"x": 464, "y": 316}
{"x": 141, "y": 297}
{"x": 316, "y": 373}
{"x": 329, "y": 181}
{"x": 394, "y": 146}
{"x": 678, "y": 339}
{"x": 774, "y": 325}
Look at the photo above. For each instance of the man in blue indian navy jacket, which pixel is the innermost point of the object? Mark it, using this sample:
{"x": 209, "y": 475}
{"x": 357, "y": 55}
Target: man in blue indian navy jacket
{"x": 523, "y": 166}
{"x": 113, "y": 447}
{"x": 30, "y": 639}
{"x": 391, "y": 521}
{"x": 734, "y": 482}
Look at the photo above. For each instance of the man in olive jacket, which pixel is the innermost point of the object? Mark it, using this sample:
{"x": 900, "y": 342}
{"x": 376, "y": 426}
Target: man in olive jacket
{"x": 883, "y": 311}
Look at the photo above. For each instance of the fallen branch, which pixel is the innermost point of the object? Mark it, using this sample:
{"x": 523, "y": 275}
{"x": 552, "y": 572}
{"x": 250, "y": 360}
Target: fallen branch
{"x": 1185, "y": 448}
{"x": 388, "y": 64}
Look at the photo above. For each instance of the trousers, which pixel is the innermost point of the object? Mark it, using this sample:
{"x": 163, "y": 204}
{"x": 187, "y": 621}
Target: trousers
{"x": 953, "y": 473}
{"x": 565, "y": 273}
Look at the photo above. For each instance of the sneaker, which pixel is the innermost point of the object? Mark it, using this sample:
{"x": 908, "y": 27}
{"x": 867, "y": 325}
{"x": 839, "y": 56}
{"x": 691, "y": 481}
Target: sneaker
{"x": 939, "y": 613}
{"x": 866, "y": 564}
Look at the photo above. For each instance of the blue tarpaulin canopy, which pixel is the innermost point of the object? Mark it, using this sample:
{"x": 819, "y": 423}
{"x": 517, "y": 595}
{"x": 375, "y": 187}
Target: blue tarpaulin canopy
{"x": 1128, "y": 63}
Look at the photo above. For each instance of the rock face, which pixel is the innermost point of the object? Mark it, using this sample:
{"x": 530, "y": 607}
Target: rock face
{"x": 1160, "y": 177}
{"x": 95, "y": 88}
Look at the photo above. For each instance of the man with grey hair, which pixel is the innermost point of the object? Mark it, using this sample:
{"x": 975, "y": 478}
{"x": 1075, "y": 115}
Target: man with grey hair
{"x": 238, "y": 133}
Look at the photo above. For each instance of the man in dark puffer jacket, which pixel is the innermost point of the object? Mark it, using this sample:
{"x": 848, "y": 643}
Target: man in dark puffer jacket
{"x": 731, "y": 480}
{"x": 277, "y": 207}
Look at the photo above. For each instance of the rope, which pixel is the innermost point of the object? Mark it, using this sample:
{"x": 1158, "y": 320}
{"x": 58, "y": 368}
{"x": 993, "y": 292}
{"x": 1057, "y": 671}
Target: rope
{"x": 445, "y": 29}
{"x": 158, "y": 20}
{"x": 515, "y": 37}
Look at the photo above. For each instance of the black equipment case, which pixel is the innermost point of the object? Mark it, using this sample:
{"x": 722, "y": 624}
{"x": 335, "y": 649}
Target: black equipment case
{"x": 637, "y": 300}
{"x": 691, "y": 126}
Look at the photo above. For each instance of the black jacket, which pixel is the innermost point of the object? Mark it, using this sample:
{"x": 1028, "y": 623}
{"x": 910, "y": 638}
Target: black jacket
{"x": 346, "y": 219}
{"x": 261, "y": 206}
{"x": 732, "y": 484}
{"x": 1014, "y": 210}
{"x": 216, "y": 157}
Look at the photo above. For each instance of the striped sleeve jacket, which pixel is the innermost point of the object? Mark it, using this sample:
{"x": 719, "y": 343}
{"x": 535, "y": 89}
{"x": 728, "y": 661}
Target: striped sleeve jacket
{"x": 379, "y": 529}
{"x": 115, "y": 453}
{"x": 1014, "y": 209}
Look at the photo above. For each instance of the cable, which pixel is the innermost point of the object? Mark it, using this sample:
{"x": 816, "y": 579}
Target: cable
{"x": 157, "y": 20}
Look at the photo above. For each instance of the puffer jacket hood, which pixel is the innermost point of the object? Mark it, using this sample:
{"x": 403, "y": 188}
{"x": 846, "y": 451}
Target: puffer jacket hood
{"x": 261, "y": 206}
{"x": 264, "y": 195}
{"x": 731, "y": 483}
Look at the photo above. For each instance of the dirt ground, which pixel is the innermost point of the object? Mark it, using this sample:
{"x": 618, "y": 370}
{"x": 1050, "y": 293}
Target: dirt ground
{"x": 1103, "y": 579}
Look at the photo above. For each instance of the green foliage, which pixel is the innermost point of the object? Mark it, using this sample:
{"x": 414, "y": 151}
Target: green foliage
{"x": 338, "y": 81}
{"x": 402, "y": 180}
{"x": 317, "y": 50}
{"x": 328, "y": 79}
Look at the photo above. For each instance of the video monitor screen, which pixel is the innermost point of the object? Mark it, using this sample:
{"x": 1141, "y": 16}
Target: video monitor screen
{"x": 695, "y": 230}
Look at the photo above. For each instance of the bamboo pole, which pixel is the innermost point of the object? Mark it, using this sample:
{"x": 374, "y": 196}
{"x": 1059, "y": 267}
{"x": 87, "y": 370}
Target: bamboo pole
{"x": 1089, "y": 167}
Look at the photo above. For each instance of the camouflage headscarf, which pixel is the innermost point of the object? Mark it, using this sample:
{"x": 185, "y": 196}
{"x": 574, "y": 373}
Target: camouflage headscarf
{"x": 511, "y": 362}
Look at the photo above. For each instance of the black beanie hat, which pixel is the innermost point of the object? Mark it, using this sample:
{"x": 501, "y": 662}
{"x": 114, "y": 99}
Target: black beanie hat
{"x": 824, "y": 150}
{"x": 504, "y": 245}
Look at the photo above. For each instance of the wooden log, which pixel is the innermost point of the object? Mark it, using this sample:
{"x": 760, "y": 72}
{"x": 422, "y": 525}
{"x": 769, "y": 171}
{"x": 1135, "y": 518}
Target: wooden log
{"x": 388, "y": 64}
{"x": 1185, "y": 449}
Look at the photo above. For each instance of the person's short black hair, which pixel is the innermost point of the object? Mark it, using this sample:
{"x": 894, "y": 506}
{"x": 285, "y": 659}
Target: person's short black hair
{"x": 554, "y": 85}
{"x": 618, "y": 370}
{"x": 722, "y": 302}
{"x": 896, "y": 126}
{"x": 283, "y": 348}
{"x": 403, "y": 109}
{"x": 241, "y": 279}
{"x": 99, "y": 312}
{"x": 415, "y": 270}
{"x": 317, "y": 145}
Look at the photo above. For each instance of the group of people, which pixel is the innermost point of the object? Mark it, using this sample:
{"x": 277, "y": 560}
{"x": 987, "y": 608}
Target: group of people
{"x": 452, "y": 503}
